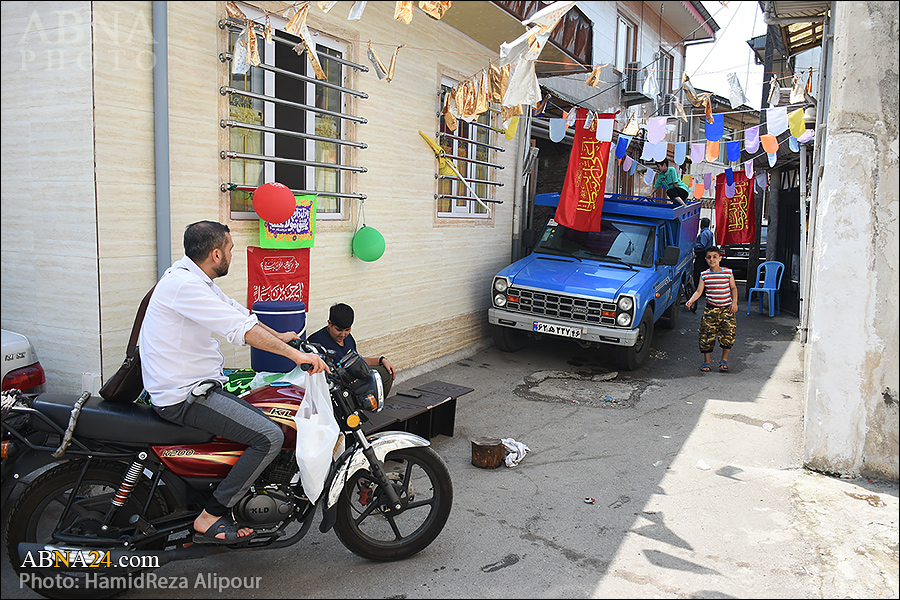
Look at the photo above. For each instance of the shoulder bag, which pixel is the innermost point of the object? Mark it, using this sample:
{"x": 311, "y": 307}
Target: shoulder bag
{"x": 127, "y": 383}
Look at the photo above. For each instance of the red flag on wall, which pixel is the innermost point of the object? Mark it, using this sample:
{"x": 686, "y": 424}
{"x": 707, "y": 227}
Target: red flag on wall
{"x": 581, "y": 199}
{"x": 736, "y": 216}
{"x": 277, "y": 274}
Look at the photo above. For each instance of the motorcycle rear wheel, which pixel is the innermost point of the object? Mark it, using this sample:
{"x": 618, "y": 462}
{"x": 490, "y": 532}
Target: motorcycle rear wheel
{"x": 367, "y": 527}
{"x": 39, "y": 510}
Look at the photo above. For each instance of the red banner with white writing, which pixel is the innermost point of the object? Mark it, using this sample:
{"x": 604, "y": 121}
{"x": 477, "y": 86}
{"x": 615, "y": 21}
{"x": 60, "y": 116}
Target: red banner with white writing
{"x": 581, "y": 199}
{"x": 277, "y": 274}
{"x": 736, "y": 216}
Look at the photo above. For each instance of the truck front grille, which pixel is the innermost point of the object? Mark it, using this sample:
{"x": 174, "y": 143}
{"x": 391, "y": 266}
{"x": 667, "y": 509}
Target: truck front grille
{"x": 557, "y": 306}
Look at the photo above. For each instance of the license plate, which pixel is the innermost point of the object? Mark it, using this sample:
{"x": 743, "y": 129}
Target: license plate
{"x": 572, "y": 332}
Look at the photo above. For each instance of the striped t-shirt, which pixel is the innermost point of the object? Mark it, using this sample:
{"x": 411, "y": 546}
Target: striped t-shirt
{"x": 717, "y": 287}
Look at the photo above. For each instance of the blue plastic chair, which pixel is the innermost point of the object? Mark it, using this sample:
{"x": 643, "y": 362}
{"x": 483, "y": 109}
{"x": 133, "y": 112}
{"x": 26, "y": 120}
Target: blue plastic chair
{"x": 769, "y": 274}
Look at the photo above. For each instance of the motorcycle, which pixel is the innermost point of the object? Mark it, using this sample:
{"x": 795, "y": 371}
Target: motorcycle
{"x": 115, "y": 483}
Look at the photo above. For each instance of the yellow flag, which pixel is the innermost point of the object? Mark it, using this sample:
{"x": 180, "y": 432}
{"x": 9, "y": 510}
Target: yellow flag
{"x": 795, "y": 120}
{"x": 444, "y": 167}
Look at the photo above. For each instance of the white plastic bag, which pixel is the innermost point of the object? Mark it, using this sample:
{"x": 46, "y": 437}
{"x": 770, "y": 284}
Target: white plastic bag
{"x": 297, "y": 376}
{"x": 317, "y": 435}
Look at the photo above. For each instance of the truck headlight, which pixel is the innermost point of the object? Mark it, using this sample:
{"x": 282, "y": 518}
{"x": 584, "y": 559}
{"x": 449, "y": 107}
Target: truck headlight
{"x": 624, "y": 319}
{"x": 500, "y": 299}
{"x": 626, "y": 303}
{"x": 501, "y": 284}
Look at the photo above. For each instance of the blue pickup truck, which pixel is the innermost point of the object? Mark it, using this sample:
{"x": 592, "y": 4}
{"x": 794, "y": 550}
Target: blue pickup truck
{"x": 605, "y": 287}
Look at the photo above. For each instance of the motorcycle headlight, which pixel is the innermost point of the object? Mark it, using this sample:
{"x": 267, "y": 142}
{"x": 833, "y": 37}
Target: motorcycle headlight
{"x": 501, "y": 284}
{"x": 626, "y": 303}
{"x": 624, "y": 319}
{"x": 369, "y": 392}
{"x": 500, "y": 299}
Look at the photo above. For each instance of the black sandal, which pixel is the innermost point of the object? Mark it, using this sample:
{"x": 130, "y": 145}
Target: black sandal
{"x": 222, "y": 525}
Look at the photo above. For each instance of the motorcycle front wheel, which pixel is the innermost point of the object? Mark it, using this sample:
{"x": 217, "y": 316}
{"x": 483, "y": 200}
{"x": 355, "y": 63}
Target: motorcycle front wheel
{"x": 40, "y": 512}
{"x": 367, "y": 526}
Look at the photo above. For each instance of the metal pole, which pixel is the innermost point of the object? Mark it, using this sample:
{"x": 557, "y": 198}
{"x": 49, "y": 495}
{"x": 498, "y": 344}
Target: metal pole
{"x": 161, "y": 137}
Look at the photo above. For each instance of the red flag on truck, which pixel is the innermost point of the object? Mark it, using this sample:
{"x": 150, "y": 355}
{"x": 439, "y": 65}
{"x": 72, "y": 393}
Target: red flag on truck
{"x": 736, "y": 216}
{"x": 581, "y": 199}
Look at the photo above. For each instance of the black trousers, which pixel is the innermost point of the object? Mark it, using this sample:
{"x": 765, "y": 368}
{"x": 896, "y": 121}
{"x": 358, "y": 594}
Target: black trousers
{"x": 677, "y": 192}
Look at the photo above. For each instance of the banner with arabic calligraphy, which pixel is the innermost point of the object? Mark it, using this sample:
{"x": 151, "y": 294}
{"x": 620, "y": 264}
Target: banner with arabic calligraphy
{"x": 297, "y": 232}
{"x": 277, "y": 274}
{"x": 735, "y": 216}
{"x": 581, "y": 199}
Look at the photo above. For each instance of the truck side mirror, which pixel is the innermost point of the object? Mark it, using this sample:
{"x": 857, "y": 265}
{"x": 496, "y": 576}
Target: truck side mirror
{"x": 670, "y": 256}
{"x": 529, "y": 237}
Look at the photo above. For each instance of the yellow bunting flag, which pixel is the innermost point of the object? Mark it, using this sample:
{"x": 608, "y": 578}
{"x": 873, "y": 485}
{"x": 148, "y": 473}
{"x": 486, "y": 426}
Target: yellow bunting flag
{"x": 795, "y": 121}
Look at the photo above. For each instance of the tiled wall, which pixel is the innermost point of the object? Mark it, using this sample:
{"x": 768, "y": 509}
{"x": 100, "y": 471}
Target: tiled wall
{"x": 88, "y": 247}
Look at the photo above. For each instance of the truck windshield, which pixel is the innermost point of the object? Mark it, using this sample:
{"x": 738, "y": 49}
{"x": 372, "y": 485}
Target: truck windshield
{"x": 617, "y": 242}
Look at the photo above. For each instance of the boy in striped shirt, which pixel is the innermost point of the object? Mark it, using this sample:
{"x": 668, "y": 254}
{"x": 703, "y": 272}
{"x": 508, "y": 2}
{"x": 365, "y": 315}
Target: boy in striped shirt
{"x": 721, "y": 305}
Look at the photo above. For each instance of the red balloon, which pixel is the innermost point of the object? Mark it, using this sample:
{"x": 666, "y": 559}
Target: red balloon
{"x": 274, "y": 202}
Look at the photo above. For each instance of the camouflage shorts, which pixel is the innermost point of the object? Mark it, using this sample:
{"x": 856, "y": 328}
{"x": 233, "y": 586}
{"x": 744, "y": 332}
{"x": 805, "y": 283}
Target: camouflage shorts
{"x": 717, "y": 321}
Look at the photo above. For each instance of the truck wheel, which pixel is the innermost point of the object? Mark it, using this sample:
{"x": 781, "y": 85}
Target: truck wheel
{"x": 630, "y": 358}
{"x": 507, "y": 339}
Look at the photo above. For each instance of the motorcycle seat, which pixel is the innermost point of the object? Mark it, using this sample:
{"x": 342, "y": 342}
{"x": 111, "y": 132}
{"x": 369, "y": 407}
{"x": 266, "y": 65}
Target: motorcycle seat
{"x": 128, "y": 424}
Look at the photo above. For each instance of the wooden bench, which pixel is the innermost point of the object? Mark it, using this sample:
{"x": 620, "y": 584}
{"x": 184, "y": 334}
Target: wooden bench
{"x": 430, "y": 414}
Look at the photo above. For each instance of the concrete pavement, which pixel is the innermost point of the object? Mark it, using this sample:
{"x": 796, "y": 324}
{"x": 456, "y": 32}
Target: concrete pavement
{"x": 697, "y": 485}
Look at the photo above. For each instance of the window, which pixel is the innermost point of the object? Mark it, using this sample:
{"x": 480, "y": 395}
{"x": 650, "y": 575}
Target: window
{"x": 289, "y": 127}
{"x": 665, "y": 66}
{"x": 626, "y": 43}
{"x": 471, "y": 149}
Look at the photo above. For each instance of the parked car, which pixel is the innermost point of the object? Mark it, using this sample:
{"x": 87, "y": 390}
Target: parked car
{"x": 737, "y": 256}
{"x": 21, "y": 368}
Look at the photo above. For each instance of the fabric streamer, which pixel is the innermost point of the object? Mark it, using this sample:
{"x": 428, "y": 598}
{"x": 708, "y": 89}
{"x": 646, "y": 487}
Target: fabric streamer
{"x": 733, "y": 150}
{"x": 626, "y": 164}
{"x": 729, "y": 176}
{"x": 762, "y": 181}
{"x": 660, "y": 151}
{"x": 622, "y": 145}
{"x": 729, "y": 189}
{"x": 633, "y": 168}
{"x": 751, "y": 139}
{"x": 649, "y": 176}
{"x": 698, "y": 151}
{"x": 604, "y": 130}
{"x": 807, "y": 136}
{"x": 680, "y": 152}
{"x": 773, "y": 158}
{"x": 716, "y": 129}
{"x": 707, "y": 181}
{"x": 647, "y": 151}
{"x": 656, "y": 129}
{"x": 776, "y": 120}
{"x": 748, "y": 168}
{"x": 796, "y": 124}
{"x": 712, "y": 151}
{"x": 793, "y": 144}
{"x": 557, "y": 129}
{"x": 699, "y": 189}
{"x": 687, "y": 179}
{"x": 769, "y": 143}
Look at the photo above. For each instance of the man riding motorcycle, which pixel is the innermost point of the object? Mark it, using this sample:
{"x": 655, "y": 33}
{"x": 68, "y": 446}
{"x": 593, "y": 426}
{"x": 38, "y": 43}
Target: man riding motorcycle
{"x": 182, "y": 368}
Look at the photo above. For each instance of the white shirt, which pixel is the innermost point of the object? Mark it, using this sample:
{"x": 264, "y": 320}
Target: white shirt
{"x": 176, "y": 344}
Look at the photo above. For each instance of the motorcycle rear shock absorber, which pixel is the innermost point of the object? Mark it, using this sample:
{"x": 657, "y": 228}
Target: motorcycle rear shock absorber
{"x": 125, "y": 489}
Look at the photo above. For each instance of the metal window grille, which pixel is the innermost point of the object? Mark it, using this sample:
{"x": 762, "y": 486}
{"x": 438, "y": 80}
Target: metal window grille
{"x": 285, "y": 125}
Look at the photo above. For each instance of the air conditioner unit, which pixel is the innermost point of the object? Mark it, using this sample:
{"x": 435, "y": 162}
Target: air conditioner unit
{"x": 633, "y": 76}
{"x": 666, "y": 109}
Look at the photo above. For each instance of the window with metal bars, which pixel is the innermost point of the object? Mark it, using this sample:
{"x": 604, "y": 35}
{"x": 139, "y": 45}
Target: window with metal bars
{"x": 470, "y": 151}
{"x": 287, "y": 126}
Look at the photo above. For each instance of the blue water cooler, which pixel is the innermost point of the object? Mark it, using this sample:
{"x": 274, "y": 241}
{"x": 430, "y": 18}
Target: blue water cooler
{"x": 286, "y": 315}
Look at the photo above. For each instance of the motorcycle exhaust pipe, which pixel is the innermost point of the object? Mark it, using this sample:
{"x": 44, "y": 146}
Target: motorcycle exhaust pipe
{"x": 106, "y": 560}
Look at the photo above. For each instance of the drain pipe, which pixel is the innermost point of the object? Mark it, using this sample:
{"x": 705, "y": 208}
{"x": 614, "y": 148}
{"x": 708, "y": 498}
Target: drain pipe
{"x": 161, "y": 136}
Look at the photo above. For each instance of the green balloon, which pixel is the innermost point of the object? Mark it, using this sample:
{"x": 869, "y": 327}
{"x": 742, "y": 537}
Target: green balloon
{"x": 368, "y": 244}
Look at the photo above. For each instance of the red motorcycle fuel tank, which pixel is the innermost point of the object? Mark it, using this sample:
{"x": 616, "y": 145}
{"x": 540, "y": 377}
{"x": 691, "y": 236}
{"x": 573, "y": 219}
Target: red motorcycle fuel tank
{"x": 215, "y": 459}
